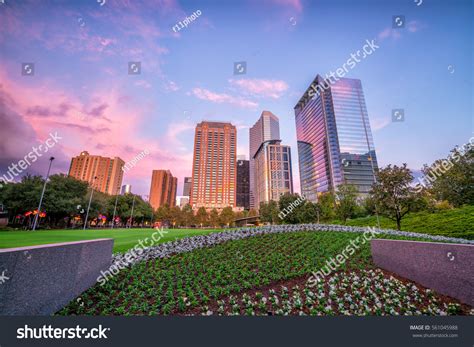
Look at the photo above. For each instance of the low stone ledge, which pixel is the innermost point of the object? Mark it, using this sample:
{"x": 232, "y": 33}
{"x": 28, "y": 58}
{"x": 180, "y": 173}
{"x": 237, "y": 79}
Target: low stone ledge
{"x": 444, "y": 267}
{"x": 40, "y": 280}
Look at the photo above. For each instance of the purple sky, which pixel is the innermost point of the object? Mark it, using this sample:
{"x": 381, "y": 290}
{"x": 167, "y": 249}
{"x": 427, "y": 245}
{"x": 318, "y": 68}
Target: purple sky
{"x": 81, "y": 87}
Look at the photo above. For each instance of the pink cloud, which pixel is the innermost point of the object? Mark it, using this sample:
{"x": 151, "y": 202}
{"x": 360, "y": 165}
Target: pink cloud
{"x": 412, "y": 27}
{"x": 261, "y": 87}
{"x": 108, "y": 123}
{"x": 205, "y": 94}
{"x": 143, "y": 84}
{"x": 171, "y": 86}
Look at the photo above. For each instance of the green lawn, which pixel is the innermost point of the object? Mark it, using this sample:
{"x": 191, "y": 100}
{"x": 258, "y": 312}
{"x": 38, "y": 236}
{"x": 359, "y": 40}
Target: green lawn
{"x": 124, "y": 239}
{"x": 457, "y": 222}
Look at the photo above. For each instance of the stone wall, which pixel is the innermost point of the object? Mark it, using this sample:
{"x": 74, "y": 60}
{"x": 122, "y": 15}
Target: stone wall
{"x": 40, "y": 280}
{"x": 447, "y": 268}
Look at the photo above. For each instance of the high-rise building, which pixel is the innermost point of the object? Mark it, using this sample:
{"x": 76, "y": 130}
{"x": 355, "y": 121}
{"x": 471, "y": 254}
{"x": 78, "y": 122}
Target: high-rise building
{"x": 214, "y": 165}
{"x": 163, "y": 189}
{"x": 183, "y": 201}
{"x": 335, "y": 142}
{"x": 126, "y": 189}
{"x": 273, "y": 174}
{"x": 103, "y": 174}
{"x": 187, "y": 186}
{"x": 265, "y": 129}
{"x": 243, "y": 184}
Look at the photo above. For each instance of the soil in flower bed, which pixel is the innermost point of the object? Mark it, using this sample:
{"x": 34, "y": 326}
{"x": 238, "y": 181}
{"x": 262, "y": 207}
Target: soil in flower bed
{"x": 359, "y": 292}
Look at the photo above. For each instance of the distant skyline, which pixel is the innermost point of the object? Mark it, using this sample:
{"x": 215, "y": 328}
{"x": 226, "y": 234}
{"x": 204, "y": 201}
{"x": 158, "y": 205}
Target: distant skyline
{"x": 82, "y": 89}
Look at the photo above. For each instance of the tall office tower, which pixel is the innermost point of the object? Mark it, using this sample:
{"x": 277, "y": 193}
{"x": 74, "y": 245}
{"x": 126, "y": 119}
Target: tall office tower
{"x": 214, "y": 165}
{"x": 103, "y": 174}
{"x": 335, "y": 142}
{"x": 163, "y": 189}
{"x": 183, "y": 201}
{"x": 266, "y": 128}
{"x": 273, "y": 175}
{"x": 187, "y": 186}
{"x": 126, "y": 189}
{"x": 243, "y": 184}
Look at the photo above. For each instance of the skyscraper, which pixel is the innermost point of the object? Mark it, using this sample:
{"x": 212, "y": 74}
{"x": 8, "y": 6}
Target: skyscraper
{"x": 187, "y": 186}
{"x": 126, "y": 189}
{"x": 266, "y": 128}
{"x": 243, "y": 184}
{"x": 163, "y": 188}
{"x": 214, "y": 165}
{"x": 103, "y": 174}
{"x": 272, "y": 172}
{"x": 335, "y": 142}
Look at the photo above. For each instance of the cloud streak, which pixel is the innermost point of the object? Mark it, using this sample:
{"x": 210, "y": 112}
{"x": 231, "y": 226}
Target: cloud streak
{"x": 219, "y": 98}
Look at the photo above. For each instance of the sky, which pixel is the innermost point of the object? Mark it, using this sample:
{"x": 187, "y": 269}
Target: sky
{"x": 81, "y": 87}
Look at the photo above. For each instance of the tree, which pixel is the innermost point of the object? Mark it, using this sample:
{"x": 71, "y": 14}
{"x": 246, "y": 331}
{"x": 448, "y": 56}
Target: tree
{"x": 346, "y": 201}
{"x": 392, "y": 193}
{"x": 163, "y": 214}
{"x": 62, "y": 196}
{"x": 326, "y": 206}
{"x": 187, "y": 215}
{"x": 214, "y": 218}
{"x": 202, "y": 218}
{"x": 175, "y": 216}
{"x": 308, "y": 213}
{"x": 451, "y": 179}
{"x": 227, "y": 217}
{"x": 269, "y": 212}
{"x": 252, "y": 213}
{"x": 290, "y": 206}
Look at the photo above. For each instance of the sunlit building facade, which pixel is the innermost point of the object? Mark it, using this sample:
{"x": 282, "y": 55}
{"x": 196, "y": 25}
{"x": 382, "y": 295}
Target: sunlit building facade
{"x": 102, "y": 173}
{"x": 163, "y": 189}
{"x": 214, "y": 166}
{"x": 273, "y": 174}
{"x": 335, "y": 143}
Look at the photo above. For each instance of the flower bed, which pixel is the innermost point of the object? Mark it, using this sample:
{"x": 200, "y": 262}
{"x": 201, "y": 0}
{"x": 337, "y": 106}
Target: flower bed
{"x": 191, "y": 243}
{"x": 191, "y": 280}
{"x": 365, "y": 292}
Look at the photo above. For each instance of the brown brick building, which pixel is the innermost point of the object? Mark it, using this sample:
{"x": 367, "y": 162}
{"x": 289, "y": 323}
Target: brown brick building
{"x": 108, "y": 172}
{"x": 163, "y": 188}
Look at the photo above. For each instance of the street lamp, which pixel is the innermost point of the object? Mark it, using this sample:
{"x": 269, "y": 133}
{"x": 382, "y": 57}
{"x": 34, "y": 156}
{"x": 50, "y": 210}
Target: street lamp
{"x": 115, "y": 208}
{"x": 42, "y": 193}
{"x": 131, "y": 215}
{"x": 90, "y": 201}
{"x": 148, "y": 201}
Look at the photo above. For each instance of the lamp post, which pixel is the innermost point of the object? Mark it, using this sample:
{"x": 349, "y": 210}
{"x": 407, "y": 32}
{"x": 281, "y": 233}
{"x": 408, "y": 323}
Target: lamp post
{"x": 147, "y": 197}
{"x": 131, "y": 214}
{"x": 42, "y": 193}
{"x": 115, "y": 208}
{"x": 90, "y": 201}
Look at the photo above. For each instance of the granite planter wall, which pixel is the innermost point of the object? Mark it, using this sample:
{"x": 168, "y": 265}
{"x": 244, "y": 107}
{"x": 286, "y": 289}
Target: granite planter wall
{"x": 447, "y": 268}
{"x": 40, "y": 280}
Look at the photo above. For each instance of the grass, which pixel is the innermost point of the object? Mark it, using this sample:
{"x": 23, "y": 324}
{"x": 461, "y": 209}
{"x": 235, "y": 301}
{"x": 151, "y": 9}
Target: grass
{"x": 192, "y": 280}
{"x": 451, "y": 223}
{"x": 124, "y": 239}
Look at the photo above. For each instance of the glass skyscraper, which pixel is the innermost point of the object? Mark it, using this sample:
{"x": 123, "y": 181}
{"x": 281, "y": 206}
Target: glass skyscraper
{"x": 273, "y": 175}
{"x": 335, "y": 142}
{"x": 265, "y": 129}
